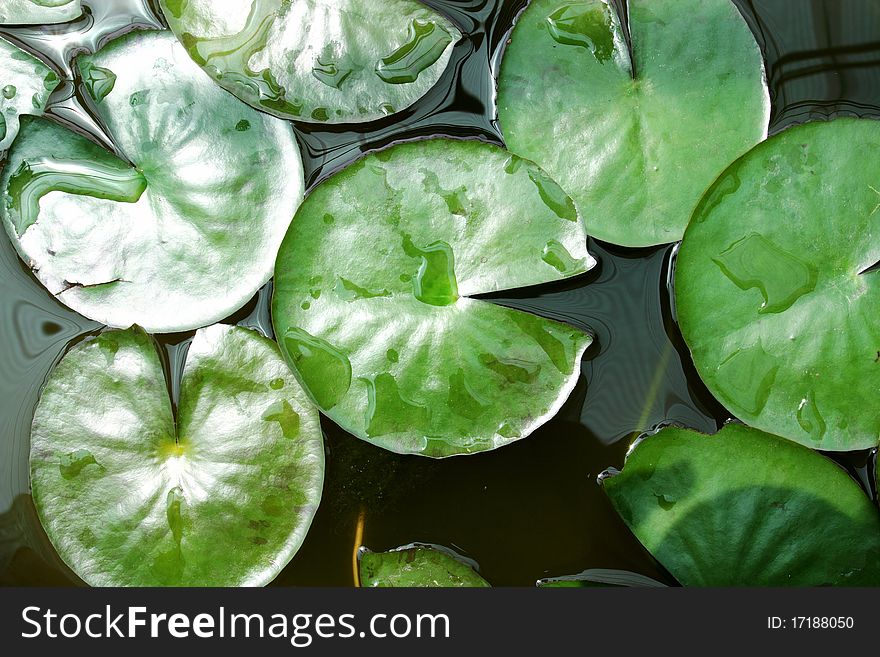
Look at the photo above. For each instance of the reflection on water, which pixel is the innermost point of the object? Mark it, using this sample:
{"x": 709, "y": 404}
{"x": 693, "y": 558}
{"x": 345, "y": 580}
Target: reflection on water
{"x": 531, "y": 509}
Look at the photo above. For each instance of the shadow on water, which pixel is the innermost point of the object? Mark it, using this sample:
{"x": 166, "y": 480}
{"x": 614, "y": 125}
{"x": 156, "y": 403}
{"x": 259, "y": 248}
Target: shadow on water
{"x": 532, "y": 509}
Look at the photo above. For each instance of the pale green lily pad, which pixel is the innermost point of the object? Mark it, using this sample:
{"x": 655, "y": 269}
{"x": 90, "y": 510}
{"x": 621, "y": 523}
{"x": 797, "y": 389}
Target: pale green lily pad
{"x": 221, "y": 493}
{"x": 372, "y": 309}
{"x": 184, "y": 236}
{"x": 416, "y": 566}
{"x": 328, "y": 61}
{"x": 600, "y": 577}
{"x": 746, "y": 508}
{"x": 25, "y": 85}
{"x": 634, "y": 139}
{"x": 782, "y": 325}
{"x": 39, "y": 12}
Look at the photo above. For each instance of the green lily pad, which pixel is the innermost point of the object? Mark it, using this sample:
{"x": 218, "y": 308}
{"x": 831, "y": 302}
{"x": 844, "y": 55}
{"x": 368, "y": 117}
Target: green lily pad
{"x": 782, "y": 325}
{"x": 329, "y": 61}
{"x": 634, "y": 138}
{"x": 746, "y": 508}
{"x": 416, "y": 566}
{"x": 185, "y": 234}
{"x": 372, "y": 309}
{"x": 25, "y": 85}
{"x": 220, "y": 493}
{"x": 39, "y": 12}
{"x": 600, "y": 577}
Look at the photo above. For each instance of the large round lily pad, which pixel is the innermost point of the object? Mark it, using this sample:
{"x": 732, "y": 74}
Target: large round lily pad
{"x": 372, "y": 287}
{"x": 416, "y": 566}
{"x": 39, "y": 12}
{"x": 773, "y": 293}
{"x": 184, "y": 232}
{"x": 25, "y": 85}
{"x": 317, "y": 60}
{"x": 746, "y": 508}
{"x": 634, "y": 136}
{"x": 222, "y": 492}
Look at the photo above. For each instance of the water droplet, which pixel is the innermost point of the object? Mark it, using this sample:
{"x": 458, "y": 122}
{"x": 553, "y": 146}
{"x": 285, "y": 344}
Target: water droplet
{"x": 388, "y": 412}
{"x": 276, "y": 384}
{"x": 746, "y": 378}
{"x": 512, "y": 369}
{"x": 665, "y": 501}
{"x": 557, "y": 256}
{"x": 542, "y": 332}
{"x": 287, "y": 418}
{"x": 552, "y": 195}
{"x": 2, "y": 127}
{"x": 328, "y": 219}
{"x": 330, "y": 72}
{"x": 99, "y": 81}
{"x": 348, "y": 291}
{"x": 456, "y": 200}
{"x": 392, "y": 355}
{"x": 810, "y": 419}
{"x": 513, "y": 164}
{"x": 315, "y": 293}
{"x": 305, "y": 305}
{"x": 9, "y": 92}
{"x": 606, "y": 474}
{"x": 435, "y": 283}
{"x": 138, "y": 98}
{"x": 174, "y": 506}
{"x": 243, "y": 126}
{"x": 70, "y": 465}
{"x": 425, "y": 44}
{"x": 754, "y": 262}
{"x": 325, "y": 371}
{"x": 33, "y": 180}
{"x": 462, "y": 398}
{"x": 320, "y": 114}
{"x": 588, "y": 26}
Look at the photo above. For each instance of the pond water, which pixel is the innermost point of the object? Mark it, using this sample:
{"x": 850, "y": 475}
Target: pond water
{"x": 532, "y": 509}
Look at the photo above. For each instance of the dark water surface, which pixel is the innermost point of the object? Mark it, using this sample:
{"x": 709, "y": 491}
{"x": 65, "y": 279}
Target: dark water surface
{"x": 532, "y": 509}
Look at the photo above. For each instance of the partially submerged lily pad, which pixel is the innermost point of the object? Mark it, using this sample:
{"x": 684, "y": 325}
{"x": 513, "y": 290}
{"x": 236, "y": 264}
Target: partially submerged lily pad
{"x": 774, "y": 288}
{"x": 25, "y": 85}
{"x": 186, "y": 233}
{"x": 746, "y": 508}
{"x": 416, "y": 566}
{"x": 634, "y": 136}
{"x": 39, "y": 12}
{"x": 327, "y": 61}
{"x": 600, "y": 577}
{"x": 221, "y": 493}
{"x": 371, "y": 304}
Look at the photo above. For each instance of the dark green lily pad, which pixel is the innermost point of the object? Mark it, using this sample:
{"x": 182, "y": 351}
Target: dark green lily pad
{"x": 416, "y": 566}
{"x": 25, "y": 85}
{"x": 634, "y": 138}
{"x": 372, "y": 307}
{"x": 220, "y": 494}
{"x": 773, "y": 291}
{"x": 746, "y": 508}
{"x": 39, "y": 12}
{"x": 185, "y": 234}
{"x": 600, "y": 577}
{"x": 327, "y": 61}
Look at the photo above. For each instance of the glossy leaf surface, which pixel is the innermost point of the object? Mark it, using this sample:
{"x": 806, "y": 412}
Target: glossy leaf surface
{"x": 39, "y": 12}
{"x": 220, "y": 493}
{"x": 25, "y": 85}
{"x": 634, "y": 136}
{"x": 328, "y": 61}
{"x": 372, "y": 307}
{"x": 181, "y": 234}
{"x": 774, "y": 288}
{"x": 746, "y": 508}
{"x": 416, "y": 566}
